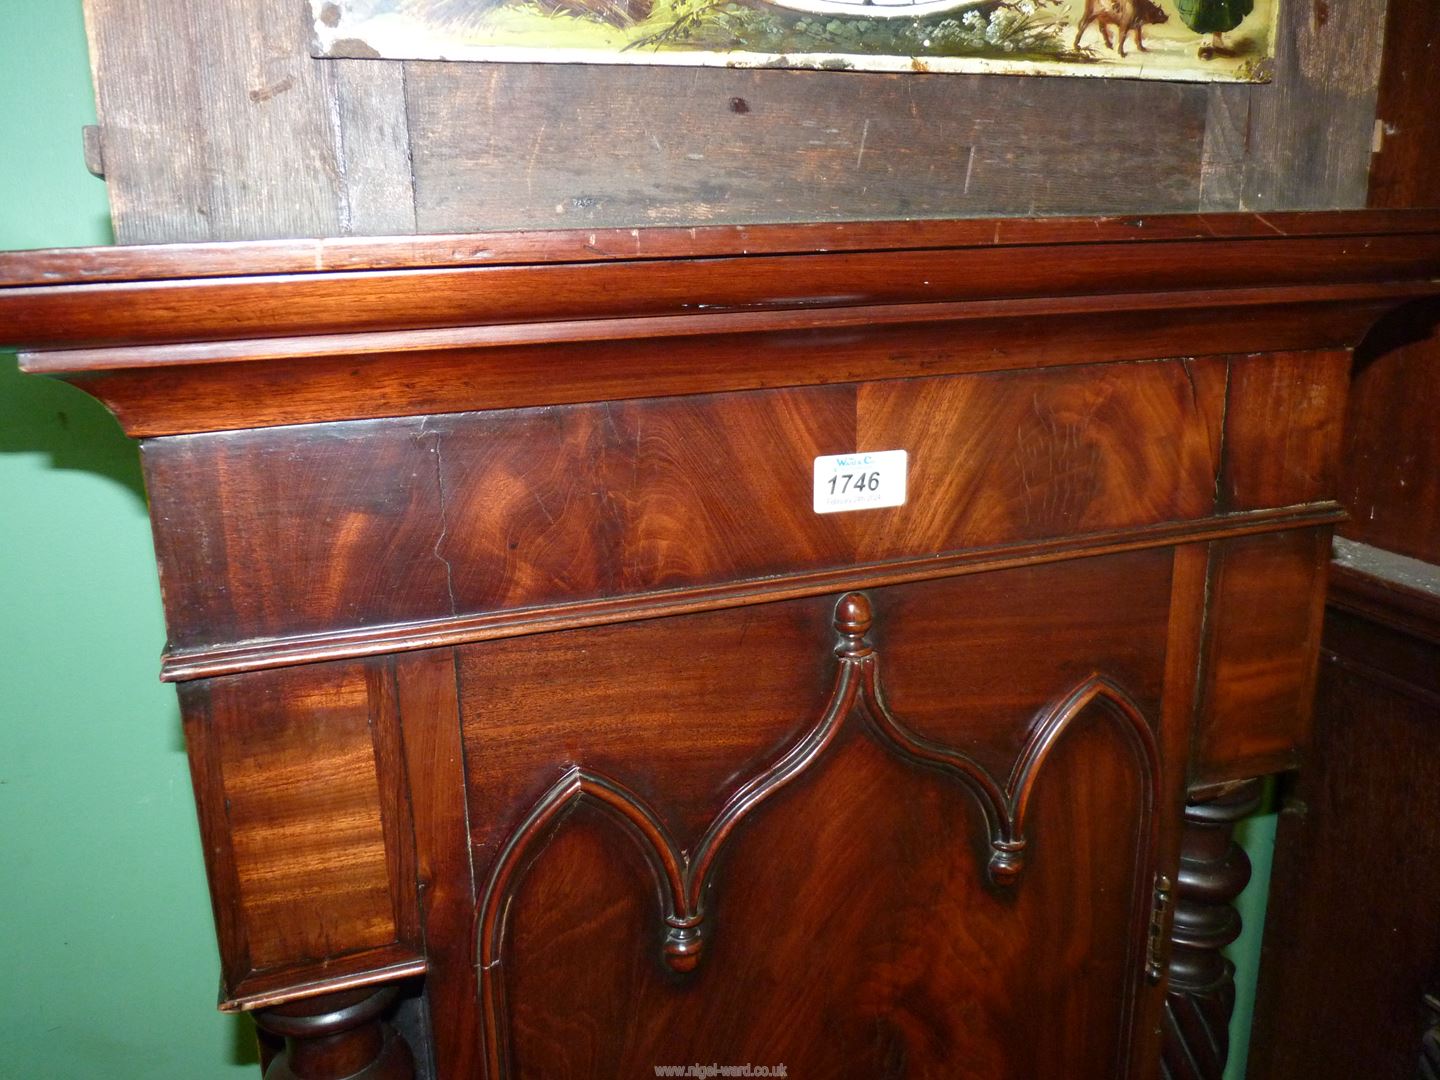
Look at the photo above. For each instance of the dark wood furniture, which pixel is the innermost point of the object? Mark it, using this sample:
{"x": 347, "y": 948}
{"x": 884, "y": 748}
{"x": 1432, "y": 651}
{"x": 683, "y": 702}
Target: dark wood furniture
{"x": 1352, "y": 959}
{"x": 522, "y": 682}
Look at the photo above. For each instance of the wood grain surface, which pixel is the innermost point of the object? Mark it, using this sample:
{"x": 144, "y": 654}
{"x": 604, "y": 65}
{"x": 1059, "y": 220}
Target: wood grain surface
{"x": 1266, "y": 608}
{"x": 315, "y": 872}
{"x": 267, "y": 142}
{"x": 376, "y": 329}
{"x": 573, "y": 705}
{"x": 1283, "y": 429}
{"x": 383, "y": 522}
{"x": 581, "y": 918}
{"x": 1351, "y": 956}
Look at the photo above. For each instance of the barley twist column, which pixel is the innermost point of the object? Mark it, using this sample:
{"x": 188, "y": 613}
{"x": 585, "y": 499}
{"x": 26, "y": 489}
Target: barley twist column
{"x": 1213, "y": 871}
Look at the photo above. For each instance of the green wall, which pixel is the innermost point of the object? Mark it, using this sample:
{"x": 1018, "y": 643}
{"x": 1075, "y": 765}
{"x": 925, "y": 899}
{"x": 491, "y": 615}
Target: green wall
{"x": 108, "y": 966}
{"x": 108, "y": 969}
{"x": 1257, "y": 835}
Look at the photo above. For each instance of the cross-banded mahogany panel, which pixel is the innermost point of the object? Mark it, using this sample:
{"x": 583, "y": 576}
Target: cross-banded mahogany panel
{"x": 336, "y": 526}
{"x": 307, "y": 831}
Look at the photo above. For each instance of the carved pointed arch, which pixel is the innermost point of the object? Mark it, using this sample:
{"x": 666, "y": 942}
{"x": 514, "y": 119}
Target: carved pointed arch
{"x": 921, "y": 751}
{"x": 625, "y": 807}
{"x": 652, "y": 838}
{"x": 683, "y": 878}
{"x": 1055, "y": 722}
{"x": 753, "y": 792}
{"x": 1095, "y": 690}
{"x": 1006, "y": 809}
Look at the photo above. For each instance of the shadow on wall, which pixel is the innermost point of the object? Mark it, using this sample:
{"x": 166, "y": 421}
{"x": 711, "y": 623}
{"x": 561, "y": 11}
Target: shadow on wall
{"x": 72, "y": 431}
{"x": 47, "y": 416}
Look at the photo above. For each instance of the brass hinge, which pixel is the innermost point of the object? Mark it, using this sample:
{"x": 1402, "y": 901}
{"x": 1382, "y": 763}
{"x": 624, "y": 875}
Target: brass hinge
{"x": 1159, "y": 916}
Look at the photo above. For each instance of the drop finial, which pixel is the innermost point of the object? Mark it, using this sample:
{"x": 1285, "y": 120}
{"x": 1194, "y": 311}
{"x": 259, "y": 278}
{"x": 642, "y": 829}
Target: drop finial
{"x": 683, "y": 945}
{"x": 1007, "y": 859}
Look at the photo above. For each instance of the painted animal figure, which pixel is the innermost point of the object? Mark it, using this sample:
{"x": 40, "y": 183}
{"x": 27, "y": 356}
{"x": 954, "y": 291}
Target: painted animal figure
{"x": 1125, "y": 16}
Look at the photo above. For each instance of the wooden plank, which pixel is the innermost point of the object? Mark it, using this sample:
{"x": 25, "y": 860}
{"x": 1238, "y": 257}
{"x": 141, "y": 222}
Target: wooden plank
{"x": 1391, "y": 438}
{"x": 261, "y": 140}
{"x": 267, "y": 120}
{"x": 1282, "y": 429}
{"x": 237, "y": 147}
{"x": 1388, "y": 477}
{"x": 415, "y": 337}
{"x": 1392, "y": 442}
{"x": 310, "y": 860}
{"x": 176, "y": 389}
{"x": 218, "y": 125}
{"x": 1391, "y": 590}
{"x": 1311, "y": 129}
{"x": 151, "y": 111}
{"x": 481, "y": 509}
{"x": 1375, "y": 749}
{"x": 1350, "y": 955}
{"x": 511, "y": 145}
{"x": 377, "y": 197}
{"x": 435, "y": 770}
{"x": 205, "y": 746}
{"x": 396, "y": 817}
{"x": 577, "y": 920}
{"x": 1184, "y": 640}
{"x": 1201, "y": 273}
{"x": 1227, "y": 147}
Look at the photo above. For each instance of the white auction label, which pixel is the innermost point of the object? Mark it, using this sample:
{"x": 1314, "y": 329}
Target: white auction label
{"x": 860, "y": 481}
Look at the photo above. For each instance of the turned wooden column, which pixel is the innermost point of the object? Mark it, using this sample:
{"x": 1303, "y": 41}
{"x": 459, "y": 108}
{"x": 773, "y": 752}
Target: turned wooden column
{"x": 1213, "y": 871}
{"x": 341, "y": 1036}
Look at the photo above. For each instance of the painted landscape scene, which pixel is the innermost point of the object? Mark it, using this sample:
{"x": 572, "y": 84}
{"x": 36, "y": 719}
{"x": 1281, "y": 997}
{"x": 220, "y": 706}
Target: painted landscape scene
{"x": 1190, "y": 40}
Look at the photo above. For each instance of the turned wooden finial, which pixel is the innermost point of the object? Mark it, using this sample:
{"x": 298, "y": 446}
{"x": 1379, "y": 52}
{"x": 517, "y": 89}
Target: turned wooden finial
{"x": 852, "y": 619}
{"x": 683, "y": 945}
{"x": 1007, "y": 860}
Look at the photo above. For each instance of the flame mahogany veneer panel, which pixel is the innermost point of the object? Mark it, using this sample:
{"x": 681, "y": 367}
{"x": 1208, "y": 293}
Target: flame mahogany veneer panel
{"x": 855, "y": 936}
{"x": 1283, "y": 419}
{"x": 405, "y": 519}
{"x": 850, "y": 927}
{"x": 316, "y": 870}
{"x": 1267, "y": 597}
{"x": 598, "y": 695}
{"x": 974, "y": 640}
